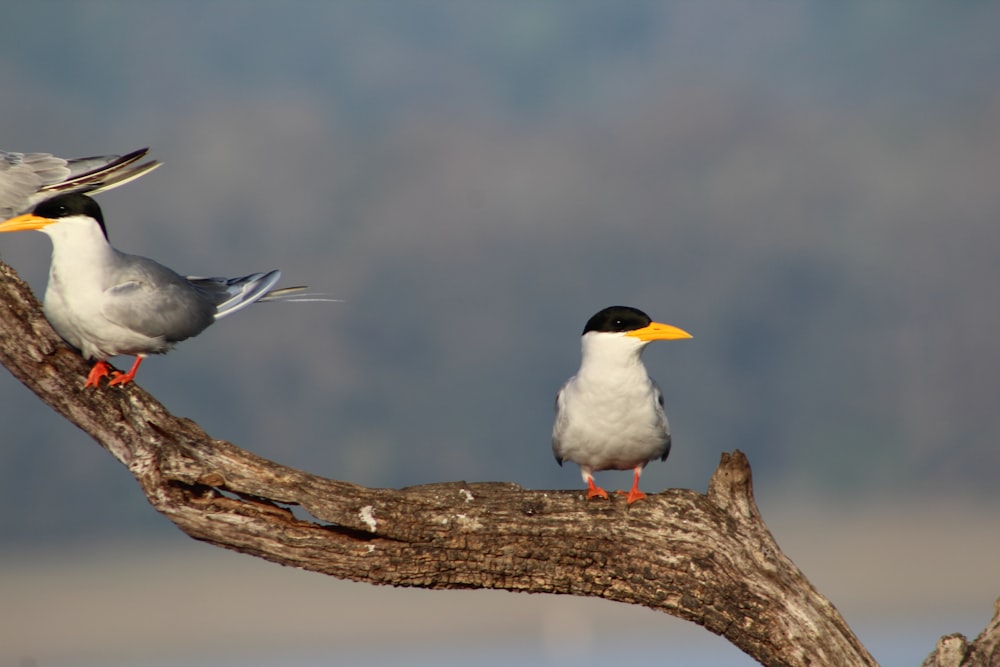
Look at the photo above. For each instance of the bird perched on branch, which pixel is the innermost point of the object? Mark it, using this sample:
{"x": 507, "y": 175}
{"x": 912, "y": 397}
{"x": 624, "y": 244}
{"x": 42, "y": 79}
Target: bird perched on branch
{"x": 105, "y": 302}
{"x": 609, "y": 416}
{"x": 29, "y": 178}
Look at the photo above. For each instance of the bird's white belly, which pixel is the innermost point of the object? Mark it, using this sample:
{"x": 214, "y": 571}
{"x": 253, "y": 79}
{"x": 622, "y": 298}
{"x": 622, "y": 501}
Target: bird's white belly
{"x": 610, "y": 433}
{"x": 75, "y": 314}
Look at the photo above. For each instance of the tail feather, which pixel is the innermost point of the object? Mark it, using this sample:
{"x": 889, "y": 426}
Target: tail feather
{"x": 234, "y": 294}
{"x": 297, "y": 295}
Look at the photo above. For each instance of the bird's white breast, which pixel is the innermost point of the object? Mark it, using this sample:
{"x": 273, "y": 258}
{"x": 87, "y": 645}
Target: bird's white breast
{"x": 608, "y": 416}
{"x": 79, "y": 277}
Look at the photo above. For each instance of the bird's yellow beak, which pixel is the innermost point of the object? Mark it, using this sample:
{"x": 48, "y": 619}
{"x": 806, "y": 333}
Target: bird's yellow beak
{"x": 25, "y": 222}
{"x": 655, "y": 331}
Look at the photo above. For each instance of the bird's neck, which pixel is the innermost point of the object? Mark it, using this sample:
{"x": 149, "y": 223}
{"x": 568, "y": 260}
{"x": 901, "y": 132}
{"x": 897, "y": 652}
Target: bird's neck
{"x": 84, "y": 245}
{"x": 608, "y": 359}
{"x": 77, "y": 254}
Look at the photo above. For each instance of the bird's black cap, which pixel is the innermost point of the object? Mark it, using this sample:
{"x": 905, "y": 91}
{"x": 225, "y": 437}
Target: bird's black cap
{"x": 74, "y": 203}
{"x": 618, "y": 318}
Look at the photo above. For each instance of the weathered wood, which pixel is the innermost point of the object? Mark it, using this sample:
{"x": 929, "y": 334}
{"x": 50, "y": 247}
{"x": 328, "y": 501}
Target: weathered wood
{"x": 708, "y": 558}
{"x": 957, "y": 651}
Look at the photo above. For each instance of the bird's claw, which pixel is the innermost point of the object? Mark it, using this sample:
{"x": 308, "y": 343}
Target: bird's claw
{"x": 118, "y": 378}
{"x": 101, "y": 369}
{"x": 632, "y": 496}
{"x": 594, "y": 491}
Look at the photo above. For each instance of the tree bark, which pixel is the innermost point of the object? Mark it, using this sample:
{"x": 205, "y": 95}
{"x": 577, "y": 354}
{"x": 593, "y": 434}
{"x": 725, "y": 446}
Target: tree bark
{"x": 957, "y": 651}
{"x": 708, "y": 558}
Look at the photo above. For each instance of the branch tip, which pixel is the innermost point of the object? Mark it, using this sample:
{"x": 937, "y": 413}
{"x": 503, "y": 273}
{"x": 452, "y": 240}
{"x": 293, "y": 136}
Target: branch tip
{"x": 950, "y": 651}
{"x": 731, "y": 486}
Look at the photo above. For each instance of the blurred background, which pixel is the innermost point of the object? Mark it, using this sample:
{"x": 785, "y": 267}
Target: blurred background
{"x": 810, "y": 189}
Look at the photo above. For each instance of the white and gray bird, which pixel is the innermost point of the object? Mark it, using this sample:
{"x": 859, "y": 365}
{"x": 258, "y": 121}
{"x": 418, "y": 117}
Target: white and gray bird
{"x": 26, "y": 179}
{"x": 609, "y": 416}
{"x": 105, "y": 302}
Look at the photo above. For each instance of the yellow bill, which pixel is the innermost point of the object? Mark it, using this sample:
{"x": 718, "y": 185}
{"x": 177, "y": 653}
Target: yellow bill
{"x": 657, "y": 331}
{"x": 24, "y": 222}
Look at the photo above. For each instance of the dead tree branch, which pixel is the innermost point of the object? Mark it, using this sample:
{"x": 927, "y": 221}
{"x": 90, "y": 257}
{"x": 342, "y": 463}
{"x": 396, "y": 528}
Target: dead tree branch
{"x": 707, "y": 558}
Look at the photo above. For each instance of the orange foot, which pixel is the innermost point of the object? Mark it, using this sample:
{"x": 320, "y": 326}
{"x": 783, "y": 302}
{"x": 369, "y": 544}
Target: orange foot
{"x": 124, "y": 378}
{"x": 632, "y": 495}
{"x": 100, "y": 370}
{"x": 594, "y": 491}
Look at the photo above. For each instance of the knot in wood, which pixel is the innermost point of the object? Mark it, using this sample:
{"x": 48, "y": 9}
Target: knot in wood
{"x": 532, "y": 507}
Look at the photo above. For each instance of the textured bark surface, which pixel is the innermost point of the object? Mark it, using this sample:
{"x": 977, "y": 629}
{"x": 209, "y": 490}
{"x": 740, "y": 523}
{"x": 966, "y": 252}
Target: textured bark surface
{"x": 708, "y": 558}
{"x": 957, "y": 651}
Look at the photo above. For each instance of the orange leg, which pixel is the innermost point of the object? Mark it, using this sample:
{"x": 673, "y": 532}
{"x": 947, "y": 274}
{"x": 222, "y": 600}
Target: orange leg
{"x": 100, "y": 370}
{"x": 125, "y": 378}
{"x": 594, "y": 491}
{"x": 634, "y": 494}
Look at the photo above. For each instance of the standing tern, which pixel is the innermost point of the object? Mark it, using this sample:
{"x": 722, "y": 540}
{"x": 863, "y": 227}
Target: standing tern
{"x": 609, "y": 416}
{"x": 105, "y": 302}
{"x": 29, "y": 178}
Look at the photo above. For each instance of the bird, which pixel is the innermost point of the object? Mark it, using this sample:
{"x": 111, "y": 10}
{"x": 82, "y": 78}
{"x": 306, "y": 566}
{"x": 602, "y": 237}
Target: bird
{"x": 105, "y": 302}
{"x": 610, "y": 416}
{"x": 26, "y": 179}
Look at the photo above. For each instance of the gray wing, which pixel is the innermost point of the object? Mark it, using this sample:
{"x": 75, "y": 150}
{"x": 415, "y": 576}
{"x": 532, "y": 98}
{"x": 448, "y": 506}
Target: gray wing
{"x": 663, "y": 418}
{"x": 28, "y": 178}
{"x": 22, "y": 175}
{"x": 104, "y": 172}
{"x": 150, "y": 299}
{"x": 557, "y": 430}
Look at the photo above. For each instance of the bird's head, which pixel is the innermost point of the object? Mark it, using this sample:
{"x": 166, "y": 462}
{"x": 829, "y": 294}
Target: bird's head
{"x": 618, "y": 333}
{"x": 76, "y": 210}
{"x": 633, "y": 323}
